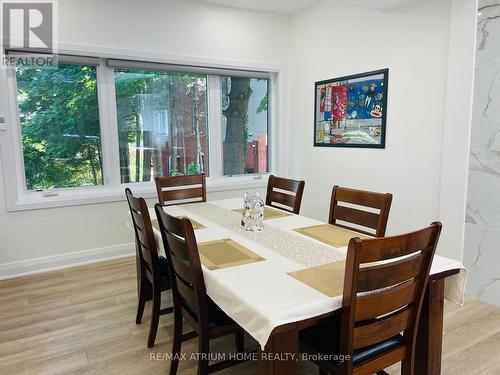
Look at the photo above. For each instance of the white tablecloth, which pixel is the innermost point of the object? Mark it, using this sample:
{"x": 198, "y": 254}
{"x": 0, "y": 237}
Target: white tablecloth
{"x": 261, "y": 296}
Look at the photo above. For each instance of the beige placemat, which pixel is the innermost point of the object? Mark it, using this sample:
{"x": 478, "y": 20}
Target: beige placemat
{"x": 269, "y": 213}
{"x": 225, "y": 253}
{"x": 327, "y": 279}
{"x": 330, "y": 234}
{"x": 194, "y": 223}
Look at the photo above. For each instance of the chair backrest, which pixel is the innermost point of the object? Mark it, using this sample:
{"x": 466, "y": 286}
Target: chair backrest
{"x": 284, "y": 193}
{"x": 188, "y": 285}
{"x": 144, "y": 236}
{"x": 181, "y": 189}
{"x": 374, "y": 222}
{"x": 384, "y": 286}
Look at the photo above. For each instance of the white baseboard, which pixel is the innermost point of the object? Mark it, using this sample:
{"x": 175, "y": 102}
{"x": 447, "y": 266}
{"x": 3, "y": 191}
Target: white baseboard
{"x": 56, "y": 262}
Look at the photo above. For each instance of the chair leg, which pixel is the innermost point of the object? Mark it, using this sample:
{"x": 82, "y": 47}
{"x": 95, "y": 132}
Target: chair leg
{"x": 140, "y": 309}
{"x": 142, "y": 285}
{"x": 203, "y": 350}
{"x": 155, "y": 317}
{"x": 176, "y": 347}
{"x": 240, "y": 341}
{"x": 406, "y": 367}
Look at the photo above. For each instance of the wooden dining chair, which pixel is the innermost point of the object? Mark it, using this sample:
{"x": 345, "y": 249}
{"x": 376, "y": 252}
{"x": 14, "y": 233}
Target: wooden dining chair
{"x": 181, "y": 189}
{"x": 191, "y": 302}
{"x": 384, "y": 287}
{"x": 154, "y": 275}
{"x": 284, "y": 193}
{"x": 374, "y": 222}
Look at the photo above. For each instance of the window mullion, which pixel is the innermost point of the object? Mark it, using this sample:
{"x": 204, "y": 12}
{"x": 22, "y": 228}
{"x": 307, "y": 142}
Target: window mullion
{"x": 109, "y": 128}
{"x": 215, "y": 126}
{"x": 113, "y": 127}
{"x": 273, "y": 141}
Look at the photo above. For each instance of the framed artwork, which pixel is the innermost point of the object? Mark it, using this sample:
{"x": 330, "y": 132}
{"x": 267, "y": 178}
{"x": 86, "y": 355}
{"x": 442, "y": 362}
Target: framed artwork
{"x": 351, "y": 111}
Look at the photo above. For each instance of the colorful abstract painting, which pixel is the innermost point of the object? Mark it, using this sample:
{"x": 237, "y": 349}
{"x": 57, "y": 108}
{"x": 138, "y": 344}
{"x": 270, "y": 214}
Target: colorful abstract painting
{"x": 351, "y": 111}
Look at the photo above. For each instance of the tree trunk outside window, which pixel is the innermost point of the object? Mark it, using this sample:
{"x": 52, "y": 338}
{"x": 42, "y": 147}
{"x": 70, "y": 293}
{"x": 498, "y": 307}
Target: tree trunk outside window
{"x": 236, "y": 128}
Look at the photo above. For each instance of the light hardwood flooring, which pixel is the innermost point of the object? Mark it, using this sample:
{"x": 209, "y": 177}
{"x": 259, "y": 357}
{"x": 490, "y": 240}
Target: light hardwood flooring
{"x": 82, "y": 321}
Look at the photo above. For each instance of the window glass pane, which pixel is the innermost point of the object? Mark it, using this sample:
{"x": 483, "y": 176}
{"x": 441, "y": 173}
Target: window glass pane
{"x": 162, "y": 124}
{"x": 244, "y": 125}
{"x": 59, "y": 118}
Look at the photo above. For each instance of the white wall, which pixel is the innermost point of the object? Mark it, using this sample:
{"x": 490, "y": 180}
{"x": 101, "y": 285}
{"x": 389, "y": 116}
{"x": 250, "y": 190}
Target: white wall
{"x": 178, "y": 27}
{"x": 147, "y": 28}
{"x": 413, "y": 42}
{"x": 457, "y": 127}
{"x": 324, "y": 41}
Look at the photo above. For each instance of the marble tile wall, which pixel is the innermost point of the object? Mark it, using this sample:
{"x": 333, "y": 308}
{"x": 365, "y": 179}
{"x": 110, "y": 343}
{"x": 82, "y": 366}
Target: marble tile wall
{"x": 482, "y": 231}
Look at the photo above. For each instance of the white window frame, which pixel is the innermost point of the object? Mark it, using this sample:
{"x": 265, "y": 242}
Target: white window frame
{"x": 11, "y": 150}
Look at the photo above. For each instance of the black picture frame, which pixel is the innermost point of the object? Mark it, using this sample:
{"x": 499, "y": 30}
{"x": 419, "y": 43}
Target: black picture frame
{"x": 340, "y": 126}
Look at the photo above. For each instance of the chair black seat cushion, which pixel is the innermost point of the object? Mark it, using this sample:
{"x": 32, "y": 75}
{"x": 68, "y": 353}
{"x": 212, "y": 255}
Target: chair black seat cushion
{"x": 164, "y": 275}
{"x": 216, "y": 317}
{"x": 325, "y": 339}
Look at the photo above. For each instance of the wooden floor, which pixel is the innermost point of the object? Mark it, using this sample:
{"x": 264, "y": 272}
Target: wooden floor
{"x": 82, "y": 321}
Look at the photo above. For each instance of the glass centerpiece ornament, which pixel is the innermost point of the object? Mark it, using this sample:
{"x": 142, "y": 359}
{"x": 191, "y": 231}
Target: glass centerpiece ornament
{"x": 252, "y": 218}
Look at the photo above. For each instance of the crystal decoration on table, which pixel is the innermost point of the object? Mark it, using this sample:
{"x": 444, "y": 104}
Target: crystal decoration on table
{"x": 252, "y": 218}
{"x": 245, "y": 215}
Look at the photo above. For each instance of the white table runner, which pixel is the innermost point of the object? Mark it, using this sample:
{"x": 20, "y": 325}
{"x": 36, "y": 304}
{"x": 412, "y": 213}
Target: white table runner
{"x": 261, "y": 296}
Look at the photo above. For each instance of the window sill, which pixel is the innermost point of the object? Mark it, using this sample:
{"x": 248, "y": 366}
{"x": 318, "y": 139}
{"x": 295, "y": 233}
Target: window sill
{"x": 96, "y": 195}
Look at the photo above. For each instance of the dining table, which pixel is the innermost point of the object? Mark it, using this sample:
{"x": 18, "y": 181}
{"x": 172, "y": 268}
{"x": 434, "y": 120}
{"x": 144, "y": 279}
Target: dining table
{"x": 288, "y": 277}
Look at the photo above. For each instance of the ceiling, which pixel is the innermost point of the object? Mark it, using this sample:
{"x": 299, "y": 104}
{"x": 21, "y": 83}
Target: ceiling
{"x": 275, "y": 6}
{"x": 293, "y": 6}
